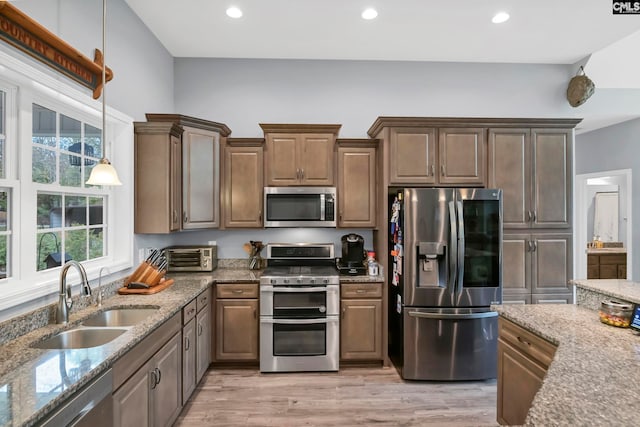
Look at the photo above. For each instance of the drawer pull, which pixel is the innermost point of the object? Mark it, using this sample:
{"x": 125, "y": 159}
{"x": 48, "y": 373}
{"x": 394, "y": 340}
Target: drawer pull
{"x": 523, "y": 341}
{"x": 238, "y": 291}
{"x": 360, "y": 291}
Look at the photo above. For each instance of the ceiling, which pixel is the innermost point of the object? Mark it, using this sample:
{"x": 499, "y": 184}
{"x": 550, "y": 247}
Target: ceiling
{"x": 540, "y": 31}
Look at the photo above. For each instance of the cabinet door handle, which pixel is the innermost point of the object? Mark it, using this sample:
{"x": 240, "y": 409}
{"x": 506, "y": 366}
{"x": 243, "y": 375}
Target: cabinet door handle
{"x": 153, "y": 380}
{"x": 298, "y": 174}
{"x": 529, "y": 246}
{"x": 433, "y": 170}
{"x": 529, "y": 216}
{"x": 175, "y": 216}
{"x": 200, "y": 330}
{"x": 186, "y": 343}
{"x": 301, "y": 173}
{"x": 254, "y": 314}
{"x": 159, "y": 375}
{"x": 184, "y": 216}
{"x": 534, "y": 216}
{"x": 534, "y": 245}
{"x": 344, "y": 311}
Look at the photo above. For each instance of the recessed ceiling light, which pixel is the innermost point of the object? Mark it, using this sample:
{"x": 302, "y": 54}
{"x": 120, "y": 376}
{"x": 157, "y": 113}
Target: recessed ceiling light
{"x": 234, "y": 12}
{"x": 500, "y": 17}
{"x": 369, "y": 14}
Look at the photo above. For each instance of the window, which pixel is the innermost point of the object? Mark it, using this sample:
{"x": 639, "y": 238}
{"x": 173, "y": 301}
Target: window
{"x": 70, "y": 225}
{"x": 50, "y": 138}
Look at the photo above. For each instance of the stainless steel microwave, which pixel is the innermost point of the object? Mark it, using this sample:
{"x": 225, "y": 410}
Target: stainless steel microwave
{"x": 300, "y": 206}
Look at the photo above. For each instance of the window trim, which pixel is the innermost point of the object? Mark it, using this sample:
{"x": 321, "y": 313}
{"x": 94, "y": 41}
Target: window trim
{"x": 33, "y": 85}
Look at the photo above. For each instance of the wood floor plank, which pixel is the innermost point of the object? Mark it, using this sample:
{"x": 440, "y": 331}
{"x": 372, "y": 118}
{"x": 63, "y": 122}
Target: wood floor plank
{"x": 351, "y": 397}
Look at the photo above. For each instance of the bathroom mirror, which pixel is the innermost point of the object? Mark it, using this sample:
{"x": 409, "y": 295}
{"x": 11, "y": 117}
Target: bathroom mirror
{"x": 605, "y": 222}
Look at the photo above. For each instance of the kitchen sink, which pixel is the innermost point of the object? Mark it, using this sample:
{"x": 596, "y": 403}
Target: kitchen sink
{"x": 120, "y": 317}
{"x": 80, "y": 338}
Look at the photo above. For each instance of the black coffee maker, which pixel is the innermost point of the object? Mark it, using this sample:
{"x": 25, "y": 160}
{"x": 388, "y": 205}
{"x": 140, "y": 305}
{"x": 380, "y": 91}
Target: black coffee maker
{"x": 353, "y": 255}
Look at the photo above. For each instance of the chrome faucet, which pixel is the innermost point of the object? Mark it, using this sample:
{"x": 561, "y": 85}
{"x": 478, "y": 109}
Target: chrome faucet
{"x": 100, "y": 296}
{"x": 64, "y": 301}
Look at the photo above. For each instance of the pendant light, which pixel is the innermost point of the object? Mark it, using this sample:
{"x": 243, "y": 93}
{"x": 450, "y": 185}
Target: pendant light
{"x": 103, "y": 173}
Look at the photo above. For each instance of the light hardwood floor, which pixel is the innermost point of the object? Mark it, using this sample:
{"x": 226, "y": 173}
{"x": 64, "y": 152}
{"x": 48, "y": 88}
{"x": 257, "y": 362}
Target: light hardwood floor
{"x": 352, "y": 397}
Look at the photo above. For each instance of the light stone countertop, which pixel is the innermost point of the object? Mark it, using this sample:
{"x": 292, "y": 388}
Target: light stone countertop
{"x": 592, "y": 380}
{"x": 33, "y": 382}
{"x": 598, "y": 251}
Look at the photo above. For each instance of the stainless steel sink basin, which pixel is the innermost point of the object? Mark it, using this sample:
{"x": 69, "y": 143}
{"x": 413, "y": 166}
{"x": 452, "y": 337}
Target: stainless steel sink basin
{"x": 80, "y": 338}
{"x": 119, "y": 317}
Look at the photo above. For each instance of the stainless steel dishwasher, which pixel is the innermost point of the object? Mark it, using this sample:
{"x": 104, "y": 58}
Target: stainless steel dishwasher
{"x": 90, "y": 406}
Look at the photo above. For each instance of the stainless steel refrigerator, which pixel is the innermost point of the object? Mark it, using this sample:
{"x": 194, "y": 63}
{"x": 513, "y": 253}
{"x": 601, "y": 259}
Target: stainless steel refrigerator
{"x": 446, "y": 270}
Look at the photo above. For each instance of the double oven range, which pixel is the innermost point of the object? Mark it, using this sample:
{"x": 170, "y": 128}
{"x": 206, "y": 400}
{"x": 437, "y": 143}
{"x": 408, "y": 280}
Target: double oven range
{"x": 299, "y": 309}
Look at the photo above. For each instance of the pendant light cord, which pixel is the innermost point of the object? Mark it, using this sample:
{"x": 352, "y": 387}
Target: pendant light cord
{"x": 104, "y": 79}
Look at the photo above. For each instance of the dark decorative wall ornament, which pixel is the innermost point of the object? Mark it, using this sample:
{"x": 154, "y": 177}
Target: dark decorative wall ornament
{"x": 580, "y": 89}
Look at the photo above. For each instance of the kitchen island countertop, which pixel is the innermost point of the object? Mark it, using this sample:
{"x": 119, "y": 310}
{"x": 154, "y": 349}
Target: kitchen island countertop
{"x": 594, "y": 375}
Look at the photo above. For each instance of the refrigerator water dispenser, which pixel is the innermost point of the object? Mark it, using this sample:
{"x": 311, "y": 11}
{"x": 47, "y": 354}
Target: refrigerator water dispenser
{"x": 433, "y": 262}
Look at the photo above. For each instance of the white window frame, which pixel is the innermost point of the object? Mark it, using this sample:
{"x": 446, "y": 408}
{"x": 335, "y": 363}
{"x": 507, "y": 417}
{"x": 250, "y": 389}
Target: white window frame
{"x": 35, "y": 84}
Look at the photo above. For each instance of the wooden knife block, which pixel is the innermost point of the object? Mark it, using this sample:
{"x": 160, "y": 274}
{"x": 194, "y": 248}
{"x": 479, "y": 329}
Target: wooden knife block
{"x": 146, "y": 273}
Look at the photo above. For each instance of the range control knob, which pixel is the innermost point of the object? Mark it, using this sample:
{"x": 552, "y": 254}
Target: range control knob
{"x": 325, "y": 281}
{"x": 299, "y": 280}
{"x": 273, "y": 281}
{"x": 312, "y": 281}
{"x": 286, "y": 281}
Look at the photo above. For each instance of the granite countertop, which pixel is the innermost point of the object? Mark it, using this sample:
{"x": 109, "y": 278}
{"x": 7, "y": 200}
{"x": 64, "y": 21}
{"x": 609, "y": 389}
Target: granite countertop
{"x": 596, "y": 251}
{"x": 594, "y": 375}
{"x": 617, "y": 288}
{"x": 34, "y": 381}
{"x": 361, "y": 279}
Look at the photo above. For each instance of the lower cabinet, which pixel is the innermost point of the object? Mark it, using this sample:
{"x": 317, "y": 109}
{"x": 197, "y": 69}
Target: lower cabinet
{"x": 153, "y": 395}
{"x": 523, "y": 359}
{"x": 196, "y": 342}
{"x": 237, "y": 322}
{"x": 361, "y": 321}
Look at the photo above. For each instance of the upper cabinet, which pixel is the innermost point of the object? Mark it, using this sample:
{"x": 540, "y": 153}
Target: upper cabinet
{"x": 357, "y": 182}
{"x": 437, "y": 156}
{"x": 158, "y": 177}
{"x": 242, "y": 184}
{"x": 201, "y": 141}
{"x": 533, "y": 167}
{"x": 299, "y": 154}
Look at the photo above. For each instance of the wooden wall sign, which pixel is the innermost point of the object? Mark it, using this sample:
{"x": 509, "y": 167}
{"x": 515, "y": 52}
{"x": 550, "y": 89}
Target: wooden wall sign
{"x": 22, "y": 32}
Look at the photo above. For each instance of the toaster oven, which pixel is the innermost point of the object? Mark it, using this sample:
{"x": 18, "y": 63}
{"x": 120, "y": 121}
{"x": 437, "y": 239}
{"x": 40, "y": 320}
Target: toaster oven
{"x": 191, "y": 258}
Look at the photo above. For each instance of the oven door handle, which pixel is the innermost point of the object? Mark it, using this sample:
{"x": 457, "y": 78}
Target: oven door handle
{"x": 299, "y": 321}
{"x": 299, "y": 289}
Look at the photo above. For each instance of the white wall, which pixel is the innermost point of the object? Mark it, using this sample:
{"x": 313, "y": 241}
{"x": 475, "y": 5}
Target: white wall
{"x": 244, "y": 92}
{"x": 142, "y": 67}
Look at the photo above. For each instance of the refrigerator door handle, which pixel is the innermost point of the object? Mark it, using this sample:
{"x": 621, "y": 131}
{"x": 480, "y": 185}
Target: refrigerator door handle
{"x": 461, "y": 247}
{"x": 453, "y": 248}
{"x": 452, "y": 316}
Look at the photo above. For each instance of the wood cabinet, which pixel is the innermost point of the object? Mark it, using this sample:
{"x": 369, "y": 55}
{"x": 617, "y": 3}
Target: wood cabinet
{"x": 243, "y": 182}
{"x": 200, "y": 169}
{"x": 537, "y": 267}
{"x": 196, "y": 342}
{"x": 237, "y": 322}
{"x": 361, "y": 321}
{"x": 606, "y": 265}
{"x": 357, "y": 183}
{"x": 523, "y": 360}
{"x": 152, "y": 396}
{"x": 299, "y": 154}
{"x": 533, "y": 167}
{"x": 457, "y": 157}
{"x": 158, "y": 177}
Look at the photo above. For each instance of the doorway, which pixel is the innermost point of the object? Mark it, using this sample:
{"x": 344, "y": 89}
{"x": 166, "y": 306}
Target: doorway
{"x": 589, "y": 188}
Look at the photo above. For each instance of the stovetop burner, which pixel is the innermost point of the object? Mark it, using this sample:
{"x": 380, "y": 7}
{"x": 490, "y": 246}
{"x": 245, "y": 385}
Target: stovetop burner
{"x": 300, "y": 264}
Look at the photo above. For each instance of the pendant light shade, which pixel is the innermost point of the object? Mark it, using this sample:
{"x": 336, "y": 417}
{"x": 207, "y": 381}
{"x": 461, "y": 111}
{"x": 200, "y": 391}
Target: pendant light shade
{"x": 104, "y": 173}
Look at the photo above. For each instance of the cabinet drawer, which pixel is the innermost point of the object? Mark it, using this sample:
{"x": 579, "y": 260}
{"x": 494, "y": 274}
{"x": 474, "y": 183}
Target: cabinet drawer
{"x": 593, "y": 260}
{"x": 203, "y": 299}
{"x": 361, "y": 290}
{"x": 613, "y": 259}
{"x": 530, "y": 344}
{"x": 189, "y": 312}
{"x": 237, "y": 290}
{"x": 608, "y": 271}
{"x": 622, "y": 271}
